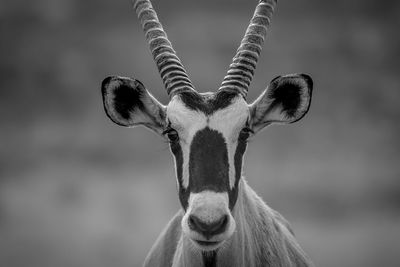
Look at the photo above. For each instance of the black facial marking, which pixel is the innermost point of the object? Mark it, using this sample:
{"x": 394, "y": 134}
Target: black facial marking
{"x": 208, "y": 162}
{"x": 210, "y": 259}
{"x": 207, "y": 103}
{"x": 287, "y": 94}
{"x": 183, "y": 193}
{"x": 238, "y": 159}
{"x": 223, "y": 99}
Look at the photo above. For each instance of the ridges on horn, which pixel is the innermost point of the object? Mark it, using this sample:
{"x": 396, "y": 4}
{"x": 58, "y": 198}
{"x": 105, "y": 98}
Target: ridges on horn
{"x": 241, "y": 70}
{"x": 172, "y": 72}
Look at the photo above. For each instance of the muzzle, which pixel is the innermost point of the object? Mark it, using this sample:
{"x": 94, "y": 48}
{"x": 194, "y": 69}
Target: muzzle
{"x": 208, "y": 222}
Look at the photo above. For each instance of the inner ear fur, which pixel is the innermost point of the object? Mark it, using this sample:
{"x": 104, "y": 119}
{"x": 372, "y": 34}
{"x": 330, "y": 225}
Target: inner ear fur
{"x": 128, "y": 103}
{"x": 286, "y": 100}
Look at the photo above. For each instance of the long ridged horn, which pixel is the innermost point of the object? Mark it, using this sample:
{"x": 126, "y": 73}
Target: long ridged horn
{"x": 241, "y": 70}
{"x": 172, "y": 72}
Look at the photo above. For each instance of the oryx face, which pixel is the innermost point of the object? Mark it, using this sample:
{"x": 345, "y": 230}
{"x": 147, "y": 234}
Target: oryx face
{"x": 207, "y": 136}
{"x": 207, "y": 132}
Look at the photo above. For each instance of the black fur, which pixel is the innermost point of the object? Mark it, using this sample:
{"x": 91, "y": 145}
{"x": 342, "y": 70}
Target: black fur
{"x": 126, "y": 100}
{"x": 287, "y": 94}
{"x": 183, "y": 193}
{"x": 207, "y": 103}
{"x": 208, "y": 162}
{"x": 210, "y": 259}
{"x": 238, "y": 159}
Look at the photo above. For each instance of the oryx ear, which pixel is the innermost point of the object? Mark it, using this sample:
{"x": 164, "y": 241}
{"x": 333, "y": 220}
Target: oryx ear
{"x": 286, "y": 100}
{"x": 128, "y": 103}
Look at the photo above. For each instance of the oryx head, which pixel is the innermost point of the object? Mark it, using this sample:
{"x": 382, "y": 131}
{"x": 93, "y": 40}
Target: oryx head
{"x": 207, "y": 132}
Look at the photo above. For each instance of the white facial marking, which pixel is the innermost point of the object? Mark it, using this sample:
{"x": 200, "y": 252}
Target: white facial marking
{"x": 208, "y": 206}
{"x": 186, "y": 122}
{"x": 229, "y": 122}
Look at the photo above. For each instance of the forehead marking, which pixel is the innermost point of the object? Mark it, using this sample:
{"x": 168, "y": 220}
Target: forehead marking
{"x": 208, "y": 162}
{"x": 187, "y": 122}
{"x": 208, "y": 103}
{"x": 228, "y": 121}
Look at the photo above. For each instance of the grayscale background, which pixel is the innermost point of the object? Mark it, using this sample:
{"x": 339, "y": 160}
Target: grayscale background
{"x": 77, "y": 190}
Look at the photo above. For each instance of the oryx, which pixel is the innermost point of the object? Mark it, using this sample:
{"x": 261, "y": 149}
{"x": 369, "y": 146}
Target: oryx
{"x": 222, "y": 221}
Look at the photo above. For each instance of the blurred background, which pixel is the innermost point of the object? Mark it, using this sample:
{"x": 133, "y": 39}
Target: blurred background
{"x": 78, "y": 190}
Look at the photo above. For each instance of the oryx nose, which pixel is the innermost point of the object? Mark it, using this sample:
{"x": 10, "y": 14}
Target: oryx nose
{"x": 208, "y": 229}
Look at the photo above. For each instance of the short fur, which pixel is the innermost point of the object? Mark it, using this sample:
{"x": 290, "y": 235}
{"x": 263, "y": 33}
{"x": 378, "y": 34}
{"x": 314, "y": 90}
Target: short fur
{"x": 208, "y": 134}
{"x": 207, "y": 103}
{"x": 263, "y": 238}
{"x": 127, "y": 103}
{"x": 206, "y": 174}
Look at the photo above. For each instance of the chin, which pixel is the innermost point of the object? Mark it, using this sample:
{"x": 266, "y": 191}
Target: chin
{"x": 207, "y": 246}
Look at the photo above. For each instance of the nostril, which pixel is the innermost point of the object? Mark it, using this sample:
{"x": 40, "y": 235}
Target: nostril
{"x": 206, "y": 228}
{"x": 223, "y": 222}
{"x": 192, "y": 222}
{"x": 219, "y": 226}
{"x": 197, "y": 224}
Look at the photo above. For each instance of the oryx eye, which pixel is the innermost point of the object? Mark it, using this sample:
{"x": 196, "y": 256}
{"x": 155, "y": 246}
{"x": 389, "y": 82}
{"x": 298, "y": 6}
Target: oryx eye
{"x": 172, "y": 135}
{"x": 245, "y": 134}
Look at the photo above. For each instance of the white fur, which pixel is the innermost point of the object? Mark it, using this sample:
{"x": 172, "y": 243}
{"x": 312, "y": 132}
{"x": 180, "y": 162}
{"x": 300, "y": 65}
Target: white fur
{"x": 208, "y": 206}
